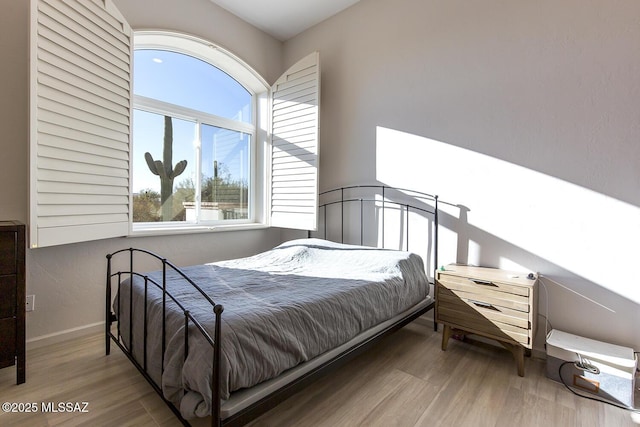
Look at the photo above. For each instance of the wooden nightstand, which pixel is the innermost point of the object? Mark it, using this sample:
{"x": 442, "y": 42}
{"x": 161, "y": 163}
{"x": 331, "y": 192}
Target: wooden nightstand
{"x": 488, "y": 302}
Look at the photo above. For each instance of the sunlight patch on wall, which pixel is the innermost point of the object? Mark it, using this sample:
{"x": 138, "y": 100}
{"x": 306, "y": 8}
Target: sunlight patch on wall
{"x": 588, "y": 233}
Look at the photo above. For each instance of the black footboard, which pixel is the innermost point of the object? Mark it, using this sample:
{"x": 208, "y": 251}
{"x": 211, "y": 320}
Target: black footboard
{"x": 115, "y": 279}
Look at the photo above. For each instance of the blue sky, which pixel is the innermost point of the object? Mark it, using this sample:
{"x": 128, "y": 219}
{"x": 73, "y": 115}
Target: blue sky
{"x": 192, "y": 83}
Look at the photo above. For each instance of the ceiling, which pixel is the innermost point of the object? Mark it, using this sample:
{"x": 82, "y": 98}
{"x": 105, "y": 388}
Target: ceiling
{"x": 284, "y": 19}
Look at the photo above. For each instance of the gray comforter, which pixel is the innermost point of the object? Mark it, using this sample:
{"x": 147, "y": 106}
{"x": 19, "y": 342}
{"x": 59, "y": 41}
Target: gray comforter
{"x": 281, "y": 308}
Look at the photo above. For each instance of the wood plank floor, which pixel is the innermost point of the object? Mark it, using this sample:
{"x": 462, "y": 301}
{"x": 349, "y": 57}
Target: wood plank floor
{"x": 405, "y": 381}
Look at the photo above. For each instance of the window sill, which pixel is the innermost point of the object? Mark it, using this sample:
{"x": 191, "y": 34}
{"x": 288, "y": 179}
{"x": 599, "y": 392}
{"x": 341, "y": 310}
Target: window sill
{"x": 173, "y": 230}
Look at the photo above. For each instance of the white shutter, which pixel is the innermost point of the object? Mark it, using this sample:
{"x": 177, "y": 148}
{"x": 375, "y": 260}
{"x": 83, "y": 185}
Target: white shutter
{"x": 295, "y": 144}
{"x": 80, "y": 110}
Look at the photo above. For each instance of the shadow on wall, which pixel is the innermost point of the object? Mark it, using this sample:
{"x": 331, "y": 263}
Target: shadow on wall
{"x": 522, "y": 220}
{"x": 564, "y": 299}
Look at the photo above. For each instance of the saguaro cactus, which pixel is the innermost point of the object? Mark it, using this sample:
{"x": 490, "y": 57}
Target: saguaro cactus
{"x": 164, "y": 169}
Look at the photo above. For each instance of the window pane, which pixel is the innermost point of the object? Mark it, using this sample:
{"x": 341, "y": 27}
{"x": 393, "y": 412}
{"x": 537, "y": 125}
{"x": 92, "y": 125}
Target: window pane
{"x": 189, "y": 82}
{"x": 225, "y": 174}
{"x": 158, "y": 196}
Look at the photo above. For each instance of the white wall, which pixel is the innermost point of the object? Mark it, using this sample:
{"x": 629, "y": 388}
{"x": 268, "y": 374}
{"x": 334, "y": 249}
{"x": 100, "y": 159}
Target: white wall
{"x": 68, "y": 280}
{"x": 527, "y": 113}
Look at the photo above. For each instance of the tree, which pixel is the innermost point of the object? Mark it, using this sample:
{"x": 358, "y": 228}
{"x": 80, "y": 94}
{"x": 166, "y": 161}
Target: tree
{"x": 165, "y": 170}
{"x": 146, "y": 206}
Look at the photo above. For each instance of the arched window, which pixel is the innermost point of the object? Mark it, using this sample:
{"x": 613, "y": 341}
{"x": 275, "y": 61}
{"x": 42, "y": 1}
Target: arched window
{"x": 237, "y": 151}
{"x": 194, "y": 133}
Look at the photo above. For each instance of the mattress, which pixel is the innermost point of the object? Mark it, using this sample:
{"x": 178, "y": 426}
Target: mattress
{"x": 282, "y": 308}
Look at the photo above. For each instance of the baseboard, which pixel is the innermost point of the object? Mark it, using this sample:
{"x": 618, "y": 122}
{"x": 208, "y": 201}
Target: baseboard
{"x": 68, "y": 334}
{"x": 426, "y": 319}
{"x": 94, "y": 328}
{"x": 538, "y": 353}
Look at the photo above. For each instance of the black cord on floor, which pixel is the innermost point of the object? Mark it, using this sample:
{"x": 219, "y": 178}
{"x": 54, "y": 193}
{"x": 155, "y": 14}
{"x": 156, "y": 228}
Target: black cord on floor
{"x": 631, "y": 409}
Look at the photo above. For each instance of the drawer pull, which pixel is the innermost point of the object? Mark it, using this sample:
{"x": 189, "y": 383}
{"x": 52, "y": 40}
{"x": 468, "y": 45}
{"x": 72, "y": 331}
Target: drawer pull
{"x": 483, "y": 282}
{"x": 483, "y": 304}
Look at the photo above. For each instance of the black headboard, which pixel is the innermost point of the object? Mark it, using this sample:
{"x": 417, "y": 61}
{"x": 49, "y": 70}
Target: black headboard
{"x": 359, "y": 214}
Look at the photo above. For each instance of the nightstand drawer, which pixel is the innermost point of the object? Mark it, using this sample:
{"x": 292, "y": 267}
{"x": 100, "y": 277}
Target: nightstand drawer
{"x": 483, "y": 286}
{"x": 495, "y": 330}
{"x": 496, "y": 294}
{"x": 481, "y": 310}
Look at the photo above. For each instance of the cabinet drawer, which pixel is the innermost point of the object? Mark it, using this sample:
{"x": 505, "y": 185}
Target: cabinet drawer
{"x": 492, "y": 329}
{"x": 7, "y": 296}
{"x": 467, "y": 289}
{"x": 7, "y": 342}
{"x": 481, "y": 310}
{"x": 7, "y": 252}
{"x": 473, "y": 285}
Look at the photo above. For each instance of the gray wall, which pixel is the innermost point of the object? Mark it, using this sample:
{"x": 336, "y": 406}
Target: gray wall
{"x": 527, "y": 113}
{"x": 68, "y": 280}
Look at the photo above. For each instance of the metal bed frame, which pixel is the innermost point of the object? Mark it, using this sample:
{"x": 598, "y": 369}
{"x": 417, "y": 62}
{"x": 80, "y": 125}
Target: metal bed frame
{"x": 263, "y": 405}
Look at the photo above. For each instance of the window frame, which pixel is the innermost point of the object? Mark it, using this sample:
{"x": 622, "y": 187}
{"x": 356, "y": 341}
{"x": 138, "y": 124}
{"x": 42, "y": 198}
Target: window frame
{"x": 257, "y": 129}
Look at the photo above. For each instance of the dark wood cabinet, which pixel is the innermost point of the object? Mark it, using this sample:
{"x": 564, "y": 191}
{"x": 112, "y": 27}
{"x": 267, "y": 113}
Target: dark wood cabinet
{"x": 12, "y": 297}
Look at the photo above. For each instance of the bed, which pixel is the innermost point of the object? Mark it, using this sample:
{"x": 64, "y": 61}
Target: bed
{"x": 230, "y": 339}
